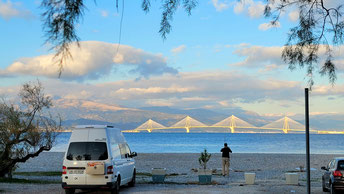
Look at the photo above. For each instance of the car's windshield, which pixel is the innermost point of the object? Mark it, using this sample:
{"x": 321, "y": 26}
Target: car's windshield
{"x": 87, "y": 151}
{"x": 341, "y": 165}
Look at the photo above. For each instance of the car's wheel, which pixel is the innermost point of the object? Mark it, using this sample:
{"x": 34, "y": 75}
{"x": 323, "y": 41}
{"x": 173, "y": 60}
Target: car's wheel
{"x": 324, "y": 186}
{"x": 132, "y": 182}
{"x": 115, "y": 190}
{"x": 69, "y": 191}
{"x": 332, "y": 189}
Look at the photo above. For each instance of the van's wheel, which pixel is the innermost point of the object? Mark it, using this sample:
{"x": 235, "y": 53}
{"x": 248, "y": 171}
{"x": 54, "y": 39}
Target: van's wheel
{"x": 69, "y": 191}
{"x": 132, "y": 182}
{"x": 115, "y": 190}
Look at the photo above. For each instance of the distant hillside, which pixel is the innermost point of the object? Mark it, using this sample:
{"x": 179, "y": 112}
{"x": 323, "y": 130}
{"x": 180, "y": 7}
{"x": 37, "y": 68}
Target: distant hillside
{"x": 80, "y": 112}
{"x": 76, "y": 112}
{"x": 206, "y": 116}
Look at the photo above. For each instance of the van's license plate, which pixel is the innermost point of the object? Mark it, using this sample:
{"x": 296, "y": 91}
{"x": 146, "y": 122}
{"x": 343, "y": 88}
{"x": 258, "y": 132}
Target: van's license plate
{"x": 76, "y": 171}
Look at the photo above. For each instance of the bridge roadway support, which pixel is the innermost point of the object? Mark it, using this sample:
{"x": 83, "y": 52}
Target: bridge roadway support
{"x": 286, "y": 126}
{"x": 232, "y": 129}
{"x": 187, "y": 129}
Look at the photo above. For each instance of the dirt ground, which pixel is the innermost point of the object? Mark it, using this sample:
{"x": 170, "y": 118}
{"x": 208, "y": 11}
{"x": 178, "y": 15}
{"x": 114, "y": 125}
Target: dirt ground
{"x": 259, "y": 188}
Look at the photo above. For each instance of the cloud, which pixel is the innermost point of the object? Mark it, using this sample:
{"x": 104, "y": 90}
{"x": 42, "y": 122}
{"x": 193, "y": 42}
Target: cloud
{"x": 178, "y": 49}
{"x": 225, "y": 103}
{"x": 267, "y": 26}
{"x": 269, "y": 58}
{"x": 254, "y": 9}
{"x": 192, "y": 90}
{"x": 186, "y": 90}
{"x": 152, "y": 90}
{"x": 293, "y": 16}
{"x": 218, "y": 90}
{"x": 220, "y": 6}
{"x": 93, "y": 60}
{"x": 104, "y": 13}
{"x": 239, "y": 8}
{"x": 158, "y": 102}
{"x": 9, "y": 10}
{"x": 259, "y": 56}
{"x": 269, "y": 68}
{"x": 328, "y": 90}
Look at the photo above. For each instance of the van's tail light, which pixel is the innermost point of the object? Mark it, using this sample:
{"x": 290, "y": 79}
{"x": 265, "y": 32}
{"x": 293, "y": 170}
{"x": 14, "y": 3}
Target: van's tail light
{"x": 64, "y": 170}
{"x": 337, "y": 173}
{"x": 109, "y": 170}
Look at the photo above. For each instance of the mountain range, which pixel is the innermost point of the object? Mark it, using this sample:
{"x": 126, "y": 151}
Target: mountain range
{"x": 82, "y": 112}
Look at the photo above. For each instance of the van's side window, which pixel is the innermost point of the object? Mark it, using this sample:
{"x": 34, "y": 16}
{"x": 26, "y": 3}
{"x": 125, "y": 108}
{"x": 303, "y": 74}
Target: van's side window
{"x": 116, "y": 153}
{"x": 127, "y": 149}
{"x": 123, "y": 150}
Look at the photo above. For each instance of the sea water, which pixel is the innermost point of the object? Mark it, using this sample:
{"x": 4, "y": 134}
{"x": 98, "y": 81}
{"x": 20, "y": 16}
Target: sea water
{"x": 213, "y": 142}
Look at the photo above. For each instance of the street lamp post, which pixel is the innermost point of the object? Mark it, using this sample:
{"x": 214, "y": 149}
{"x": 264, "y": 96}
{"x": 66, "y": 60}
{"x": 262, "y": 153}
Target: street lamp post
{"x": 307, "y": 142}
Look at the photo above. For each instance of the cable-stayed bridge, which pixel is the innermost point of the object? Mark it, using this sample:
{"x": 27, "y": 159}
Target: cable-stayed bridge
{"x": 232, "y": 123}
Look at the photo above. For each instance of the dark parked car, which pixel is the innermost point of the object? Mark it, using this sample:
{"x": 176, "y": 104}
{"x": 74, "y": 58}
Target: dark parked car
{"x": 333, "y": 177}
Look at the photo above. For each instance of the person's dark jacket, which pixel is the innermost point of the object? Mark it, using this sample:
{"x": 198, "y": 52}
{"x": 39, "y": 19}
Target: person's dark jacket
{"x": 225, "y": 152}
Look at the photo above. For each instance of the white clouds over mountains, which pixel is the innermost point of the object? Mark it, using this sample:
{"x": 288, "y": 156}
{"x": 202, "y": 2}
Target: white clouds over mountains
{"x": 197, "y": 89}
{"x": 92, "y": 60}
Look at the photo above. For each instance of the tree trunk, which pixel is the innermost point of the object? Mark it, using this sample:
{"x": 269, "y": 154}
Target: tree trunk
{"x": 7, "y": 164}
{"x": 6, "y": 171}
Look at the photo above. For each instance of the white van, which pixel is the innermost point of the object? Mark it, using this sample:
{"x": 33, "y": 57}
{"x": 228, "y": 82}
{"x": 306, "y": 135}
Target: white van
{"x": 98, "y": 157}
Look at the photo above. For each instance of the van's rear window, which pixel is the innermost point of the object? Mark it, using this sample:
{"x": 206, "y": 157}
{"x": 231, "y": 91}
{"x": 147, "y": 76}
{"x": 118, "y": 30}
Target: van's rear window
{"x": 87, "y": 151}
{"x": 341, "y": 165}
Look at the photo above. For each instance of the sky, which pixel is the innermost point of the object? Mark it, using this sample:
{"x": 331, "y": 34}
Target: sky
{"x": 224, "y": 55}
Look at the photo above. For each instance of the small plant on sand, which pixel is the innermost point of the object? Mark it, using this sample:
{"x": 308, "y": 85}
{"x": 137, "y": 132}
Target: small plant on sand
{"x": 204, "y": 158}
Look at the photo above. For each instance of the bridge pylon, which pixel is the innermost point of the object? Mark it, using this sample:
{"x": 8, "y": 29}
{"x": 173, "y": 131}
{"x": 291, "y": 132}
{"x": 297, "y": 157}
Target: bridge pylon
{"x": 187, "y": 124}
{"x": 286, "y": 126}
{"x": 232, "y": 124}
{"x": 149, "y": 126}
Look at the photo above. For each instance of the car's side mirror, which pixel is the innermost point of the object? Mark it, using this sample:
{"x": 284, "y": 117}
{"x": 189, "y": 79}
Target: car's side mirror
{"x": 323, "y": 168}
{"x": 133, "y": 154}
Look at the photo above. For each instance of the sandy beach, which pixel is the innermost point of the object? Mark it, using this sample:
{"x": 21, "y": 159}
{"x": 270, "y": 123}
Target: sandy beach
{"x": 270, "y": 172}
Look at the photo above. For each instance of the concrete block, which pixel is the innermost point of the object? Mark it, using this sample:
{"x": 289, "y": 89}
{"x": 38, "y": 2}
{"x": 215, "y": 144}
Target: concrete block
{"x": 292, "y": 178}
{"x": 250, "y": 178}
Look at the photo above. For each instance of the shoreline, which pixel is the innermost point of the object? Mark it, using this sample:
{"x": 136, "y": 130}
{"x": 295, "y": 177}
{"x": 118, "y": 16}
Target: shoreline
{"x": 270, "y": 172}
{"x": 57, "y": 152}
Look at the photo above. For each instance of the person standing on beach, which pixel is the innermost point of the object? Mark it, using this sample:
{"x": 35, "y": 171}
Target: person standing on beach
{"x": 225, "y": 159}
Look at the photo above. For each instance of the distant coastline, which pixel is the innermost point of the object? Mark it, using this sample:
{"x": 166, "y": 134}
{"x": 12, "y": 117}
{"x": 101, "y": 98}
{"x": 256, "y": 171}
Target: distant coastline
{"x": 263, "y": 132}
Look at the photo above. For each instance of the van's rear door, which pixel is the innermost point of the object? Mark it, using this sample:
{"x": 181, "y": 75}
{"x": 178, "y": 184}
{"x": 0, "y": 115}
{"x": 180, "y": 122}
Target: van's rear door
{"x": 75, "y": 164}
{"x": 84, "y": 155}
{"x": 97, "y": 149}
